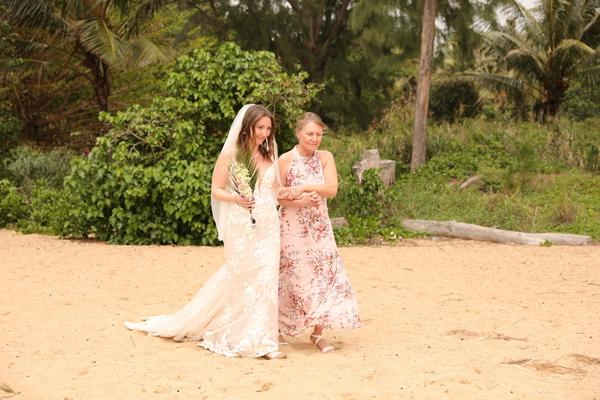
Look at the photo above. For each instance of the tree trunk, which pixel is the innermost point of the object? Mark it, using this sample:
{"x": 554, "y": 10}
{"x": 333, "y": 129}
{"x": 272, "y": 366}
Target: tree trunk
{"x": 102, "y": 85}
{"x": 419, "y": 149}
{"x": 100, "y": 73}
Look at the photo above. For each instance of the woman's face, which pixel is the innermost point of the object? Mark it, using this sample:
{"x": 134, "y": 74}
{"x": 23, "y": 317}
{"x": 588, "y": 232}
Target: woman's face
{"x": 262, "y": 130}
{"x": 310, "y": 136}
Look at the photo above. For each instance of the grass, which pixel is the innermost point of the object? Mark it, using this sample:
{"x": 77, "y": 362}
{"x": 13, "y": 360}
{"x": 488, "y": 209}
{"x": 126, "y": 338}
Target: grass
{"x": 535, "y": 178}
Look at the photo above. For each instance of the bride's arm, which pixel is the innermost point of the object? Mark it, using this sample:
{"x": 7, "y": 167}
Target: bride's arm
{"x": 219, "y": 183}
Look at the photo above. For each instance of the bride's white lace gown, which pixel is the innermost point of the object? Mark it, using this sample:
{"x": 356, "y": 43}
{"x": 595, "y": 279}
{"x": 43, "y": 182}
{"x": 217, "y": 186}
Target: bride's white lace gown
{"x": 235, "y": 312}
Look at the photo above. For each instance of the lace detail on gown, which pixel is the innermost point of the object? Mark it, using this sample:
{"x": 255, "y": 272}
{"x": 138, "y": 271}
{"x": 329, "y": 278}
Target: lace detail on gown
{"x": 235, "y": 312}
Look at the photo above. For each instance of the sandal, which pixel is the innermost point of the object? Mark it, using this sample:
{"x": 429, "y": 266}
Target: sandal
{"x": 275, "y": 354}
{"x": 325, "y": 348}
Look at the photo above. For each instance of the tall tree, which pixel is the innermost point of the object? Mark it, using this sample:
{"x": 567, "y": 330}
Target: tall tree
{"x": 97, "y": 33}
{"x": 356, "y": 59}
{"x": 540, "y": 51}
{"x": 419, "y": 148}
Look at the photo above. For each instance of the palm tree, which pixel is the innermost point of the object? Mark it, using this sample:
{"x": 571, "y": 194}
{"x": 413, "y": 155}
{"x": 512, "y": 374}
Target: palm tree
{"x": 419, "y": 150}
{"x": 542, "y": 50}
{"x": 96, "y": 32}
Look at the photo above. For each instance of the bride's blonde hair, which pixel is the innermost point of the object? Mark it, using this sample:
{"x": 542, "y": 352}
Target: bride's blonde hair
{"x": 309, "y": 117}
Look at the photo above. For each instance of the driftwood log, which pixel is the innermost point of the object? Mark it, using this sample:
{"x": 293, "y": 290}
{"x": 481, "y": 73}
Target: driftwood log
{"x": 476, "y": 232}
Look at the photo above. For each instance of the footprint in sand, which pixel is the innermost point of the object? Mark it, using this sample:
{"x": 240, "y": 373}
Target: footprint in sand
{"x": 546, "y": 367}
{"x": 582, "y": 358}
{"x": 265, "y": 387}
{"x": 465, "y": 334}
{"x": 7, "y": 389}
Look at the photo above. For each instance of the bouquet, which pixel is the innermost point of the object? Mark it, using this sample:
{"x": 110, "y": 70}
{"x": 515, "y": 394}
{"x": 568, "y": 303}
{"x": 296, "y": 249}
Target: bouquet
{"x": 242, "y": 176}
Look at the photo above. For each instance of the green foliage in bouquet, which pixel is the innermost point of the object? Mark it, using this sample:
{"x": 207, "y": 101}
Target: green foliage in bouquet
{"x": 242, "y": 176}
{"x": 148, "y": 180}
{"x": 243, "y": 173}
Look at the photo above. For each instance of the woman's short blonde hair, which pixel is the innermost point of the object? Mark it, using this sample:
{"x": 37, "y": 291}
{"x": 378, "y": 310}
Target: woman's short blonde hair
{"x": 309, "y": 117}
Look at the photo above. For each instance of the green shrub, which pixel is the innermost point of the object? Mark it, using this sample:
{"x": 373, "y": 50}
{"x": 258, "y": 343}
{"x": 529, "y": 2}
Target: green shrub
{"x": 48, "y": 210}
{"x": 9, "y": 128}
{"x": 361, "y": 199}
{"x": 148, "y": 180}
{"x": 526, "y": 169}
{"x": 453, "y": 100}
{"x": 12, "y": 204}
{"x": 26, "y": 165}
{"x": 581, "y": 104}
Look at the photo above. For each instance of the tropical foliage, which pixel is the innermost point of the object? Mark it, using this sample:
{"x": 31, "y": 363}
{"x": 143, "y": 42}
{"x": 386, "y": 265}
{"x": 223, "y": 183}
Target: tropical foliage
{"x": 148, "y": 179}
{"x": 541, "y": 51}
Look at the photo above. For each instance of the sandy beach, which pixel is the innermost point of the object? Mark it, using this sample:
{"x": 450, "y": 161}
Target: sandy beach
{"x": 443, "y": 319}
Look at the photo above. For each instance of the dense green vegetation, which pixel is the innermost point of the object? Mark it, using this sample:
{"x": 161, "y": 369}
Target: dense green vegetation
{"x": 534, "y": 177}
{"x": 172, "y": 75}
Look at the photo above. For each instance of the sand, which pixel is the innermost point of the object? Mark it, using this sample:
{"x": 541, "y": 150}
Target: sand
{"x": 443, "y": 319}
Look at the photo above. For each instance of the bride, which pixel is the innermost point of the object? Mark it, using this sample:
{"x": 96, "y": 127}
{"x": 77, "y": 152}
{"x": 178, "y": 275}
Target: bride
{"x": 235, "y": 312}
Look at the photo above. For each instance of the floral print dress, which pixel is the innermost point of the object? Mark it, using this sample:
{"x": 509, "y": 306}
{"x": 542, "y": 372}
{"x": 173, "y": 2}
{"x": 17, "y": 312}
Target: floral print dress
{"x": 313, "y": 285}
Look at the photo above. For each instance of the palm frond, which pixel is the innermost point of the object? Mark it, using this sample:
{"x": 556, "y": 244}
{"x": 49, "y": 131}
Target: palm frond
{"x": 505, "y": 41}
{"x": 495, "y": 80}
{"x": 591, "y": 31}
{"x": 35, "y": 14}
{"x": 26, "y": 48}
{"x": 142, "y": 14}
{"x": 525, "y": 62}
{"x": 97, "y": 38}
{"x": 144, "y": 52}
{"x": 589, "y": 70}
{"x": 529, "y": 23}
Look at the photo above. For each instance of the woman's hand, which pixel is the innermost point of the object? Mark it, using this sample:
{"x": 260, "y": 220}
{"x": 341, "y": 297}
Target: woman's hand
{"x": 296, "y": 191}
{"x": 284, "y": 193}
{"x": 245, "y": 202}
{"x": 311, "y": 199}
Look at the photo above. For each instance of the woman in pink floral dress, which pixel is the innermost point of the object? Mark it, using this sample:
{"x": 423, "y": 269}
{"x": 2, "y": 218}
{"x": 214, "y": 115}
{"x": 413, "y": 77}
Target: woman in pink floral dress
{"x": 314, "y": 290}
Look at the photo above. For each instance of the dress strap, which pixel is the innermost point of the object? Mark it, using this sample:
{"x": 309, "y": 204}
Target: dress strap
{"x": 298, "y": 155}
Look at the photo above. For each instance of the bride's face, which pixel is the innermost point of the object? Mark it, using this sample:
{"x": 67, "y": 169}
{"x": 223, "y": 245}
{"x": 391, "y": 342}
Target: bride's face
{"x": 262, "y": 130}
{"x": 310, "y": 136}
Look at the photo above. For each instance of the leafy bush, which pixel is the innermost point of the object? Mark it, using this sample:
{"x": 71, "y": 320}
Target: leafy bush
{"x": 369, "y": 209}
{"x": 12, "y": 204}
{"x": 451, "y": 100}
{"x": 48, "y": 210}
{"x": 26, "y": 165}
{"x": 526, "y": 168}
{"x": 9, "y": 127}
{"x": 361, "y": 199}
{"x": 581, "y": 104}
{"x": 148, "y": 180}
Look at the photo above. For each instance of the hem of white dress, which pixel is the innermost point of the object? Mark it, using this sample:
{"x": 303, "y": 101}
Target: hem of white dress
{"x": 232, "y": 354}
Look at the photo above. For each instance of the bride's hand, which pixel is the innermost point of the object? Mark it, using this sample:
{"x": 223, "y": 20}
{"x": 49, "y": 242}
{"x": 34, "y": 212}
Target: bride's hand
{"x": 245, "y": 202}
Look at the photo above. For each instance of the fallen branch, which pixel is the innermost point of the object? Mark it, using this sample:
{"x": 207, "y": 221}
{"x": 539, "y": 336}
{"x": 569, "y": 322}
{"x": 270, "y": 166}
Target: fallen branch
{"x": 475, "y": 232}
{"x": 470, "y": 181}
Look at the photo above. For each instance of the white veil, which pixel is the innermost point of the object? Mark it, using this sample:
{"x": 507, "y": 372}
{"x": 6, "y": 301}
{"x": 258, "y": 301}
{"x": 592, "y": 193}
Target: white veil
{"x": 220, "y": 209}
